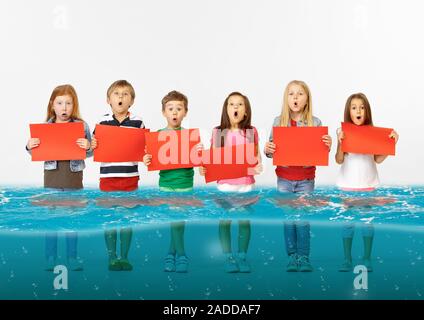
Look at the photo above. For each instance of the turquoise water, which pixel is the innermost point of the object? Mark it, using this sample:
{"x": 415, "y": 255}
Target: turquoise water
{"x": 396, "y": 213}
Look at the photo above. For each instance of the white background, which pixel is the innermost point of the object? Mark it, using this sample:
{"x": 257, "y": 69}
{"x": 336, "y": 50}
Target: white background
{"x": 207, "y": 49}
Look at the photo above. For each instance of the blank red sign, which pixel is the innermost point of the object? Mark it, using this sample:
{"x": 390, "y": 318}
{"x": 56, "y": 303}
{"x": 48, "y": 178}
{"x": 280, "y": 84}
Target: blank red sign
{"x": 119, "y": 144}
{"x": 300, "y": 146}
{"x": 228, "y": 162}
{"x": 173, "y": 149}
{"x": 58, "y": 141}
{"x": 367, "y": 140}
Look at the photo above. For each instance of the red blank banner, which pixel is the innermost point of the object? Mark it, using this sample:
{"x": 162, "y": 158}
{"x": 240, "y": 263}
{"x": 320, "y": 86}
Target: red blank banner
{"x": 119, "y": 144}
{"x": 228, "y": 162}
{"x": 173, "y": 149}
{"x": 300, "y": 146}
{"x": 58, "y": 141}
{"x": 367, "y": 140}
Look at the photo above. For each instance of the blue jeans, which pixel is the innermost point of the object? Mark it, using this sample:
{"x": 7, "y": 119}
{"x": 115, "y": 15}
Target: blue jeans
{"x": 296, "y": 233}
{"x": 71, "y": 244}
{"x": 284, "y": 185}
{"x": 297, "y": 237}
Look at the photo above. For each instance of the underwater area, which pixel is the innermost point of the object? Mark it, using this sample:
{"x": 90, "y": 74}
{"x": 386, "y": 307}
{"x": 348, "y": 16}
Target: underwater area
{"x": 35, "y": 222}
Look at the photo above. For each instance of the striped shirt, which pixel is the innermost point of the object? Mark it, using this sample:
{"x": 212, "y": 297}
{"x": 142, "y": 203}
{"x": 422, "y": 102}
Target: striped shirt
{"x": 120, "y": 169}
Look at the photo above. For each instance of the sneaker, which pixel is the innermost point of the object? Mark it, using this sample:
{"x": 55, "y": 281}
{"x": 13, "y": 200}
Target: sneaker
{"x": 50, "y": 263}
{"x": 292, "y": 265}
{"x": 125, "y": 265}
{"x": 181, "y": 264}
{"x": 114, "y": 265}
{"x": 243, "y": 264}
{"x": 304, "y": 264}
{"x": 346, "y": 266}
{"x": 169, "y": 263}
{"x": 75, "y": 264}
{"x": 367, "y": 264}
{"x": 231, "y": 265}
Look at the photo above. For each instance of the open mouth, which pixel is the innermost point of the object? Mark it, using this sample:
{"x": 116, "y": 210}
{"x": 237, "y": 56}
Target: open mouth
{"x": 295, "y": 104}
{"x": 235, "y": 114}
{"x": 359, "y": 117}
{"x": 120, "y": 103}
{"x": 64, "y": 115}
{"x": 174, "y": 119}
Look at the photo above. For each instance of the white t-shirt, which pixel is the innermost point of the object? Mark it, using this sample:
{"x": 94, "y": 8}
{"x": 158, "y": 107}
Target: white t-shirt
{"x": 358, "y": 171}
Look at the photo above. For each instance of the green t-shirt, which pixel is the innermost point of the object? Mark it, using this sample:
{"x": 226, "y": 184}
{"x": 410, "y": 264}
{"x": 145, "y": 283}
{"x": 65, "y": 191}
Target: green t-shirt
{"x": 176, "y": 178}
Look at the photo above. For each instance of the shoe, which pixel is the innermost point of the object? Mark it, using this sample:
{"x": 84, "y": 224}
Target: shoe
{"x": 304, "y": 264}
{"x": 231, "y": 265}
{"x": 346, "y": 266}
{"x": 75, "y": 264}
{"x": 367, "y": 264}
{"x": 169, "y": 263}
{"x": 243, "y": 264}
{"x": 50, "y": 263}
{"x": 181, "y": 264}
{"x": 114, "y": 265}
{"x": 292, "y": 266}
{"x": 125, "y": 265}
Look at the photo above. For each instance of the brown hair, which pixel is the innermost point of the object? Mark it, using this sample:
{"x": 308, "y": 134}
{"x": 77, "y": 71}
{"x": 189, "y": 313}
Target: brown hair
{"x": 64, "y": 90}
{"x": 175, "y": 96}
{"x": 120, "y": 84}
{"x": 368, "y": 115}
{"x": 225, "y": 119}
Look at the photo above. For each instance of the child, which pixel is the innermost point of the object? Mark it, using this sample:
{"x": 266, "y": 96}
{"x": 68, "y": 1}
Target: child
{"x": 358, "y": 173}
{"x": 296, "y": 111}
{"x": 236, "y": 129}
{"x": 63, "y": 107}
{"x": 119, "y": 176}
{"x": 174, "y": 109}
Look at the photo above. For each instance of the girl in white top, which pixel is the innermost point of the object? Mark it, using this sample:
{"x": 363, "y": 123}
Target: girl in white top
{"x": 358, "y": 173}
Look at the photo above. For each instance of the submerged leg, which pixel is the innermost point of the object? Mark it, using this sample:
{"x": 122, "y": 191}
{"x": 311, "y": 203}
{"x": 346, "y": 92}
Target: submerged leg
{"x": 110, "y": 238}
{"x": 71, "y": 244}
{"x": 51, "y": 245}
{"x": 177, "y": 238}
{"x": 74, "y": 262}
{"x": 225, "y": 235}
{"x": 126, "y": 236}
{"x": 368, "y": 247}
{"x": 244, "y": 235}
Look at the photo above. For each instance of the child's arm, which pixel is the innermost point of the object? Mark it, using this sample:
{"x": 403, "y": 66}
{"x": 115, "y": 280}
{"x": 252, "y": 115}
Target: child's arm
{"x": 381, "y": 158}
{"x": 258, "y": 168}
{"x": 32, "y": 143}
{"x": 269, "y": 149}
{"x": 339, "y": 153}
{"x": 94, "y": 143}
{"x": 84, "y": 144}
{"x": 147, "y": 159}
{"x": 87, "y": 143}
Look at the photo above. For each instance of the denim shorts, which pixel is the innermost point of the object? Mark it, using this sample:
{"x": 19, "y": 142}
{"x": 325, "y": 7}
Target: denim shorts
{"x": 284, "y": 185}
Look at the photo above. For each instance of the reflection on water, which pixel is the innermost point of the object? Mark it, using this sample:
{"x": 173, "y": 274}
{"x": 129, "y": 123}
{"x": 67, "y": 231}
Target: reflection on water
{"x": 236, "y": 246}
{"x": 38, "y": 210}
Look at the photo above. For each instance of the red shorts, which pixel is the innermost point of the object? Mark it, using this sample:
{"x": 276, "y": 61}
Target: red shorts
{"x": 119, "y": 184}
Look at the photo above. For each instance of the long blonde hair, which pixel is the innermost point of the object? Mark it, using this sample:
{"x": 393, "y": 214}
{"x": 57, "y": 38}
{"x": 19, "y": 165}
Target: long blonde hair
{"x": 64, "y": 90}
{"x": 307, "y": 111}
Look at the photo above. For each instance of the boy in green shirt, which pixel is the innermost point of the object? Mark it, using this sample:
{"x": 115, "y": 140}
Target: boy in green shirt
{"x": 174, "y": 109}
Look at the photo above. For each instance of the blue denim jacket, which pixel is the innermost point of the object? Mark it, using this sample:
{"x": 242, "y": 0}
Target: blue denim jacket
{"x": 75, "y": 165}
